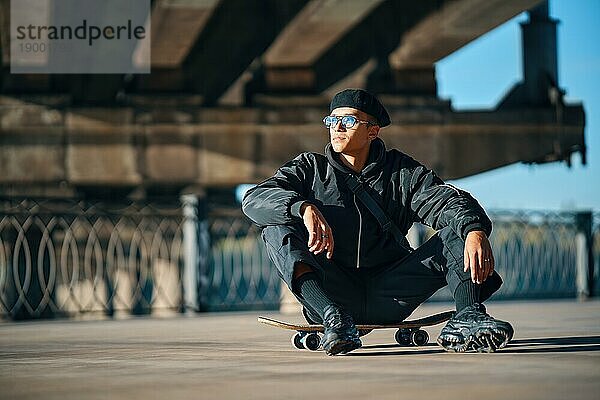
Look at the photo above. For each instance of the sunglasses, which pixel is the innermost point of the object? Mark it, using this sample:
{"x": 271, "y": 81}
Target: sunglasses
{"x": 347, "y": 121}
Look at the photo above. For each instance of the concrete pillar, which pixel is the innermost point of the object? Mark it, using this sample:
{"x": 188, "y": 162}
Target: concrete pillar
{"x": 540, "y": 71}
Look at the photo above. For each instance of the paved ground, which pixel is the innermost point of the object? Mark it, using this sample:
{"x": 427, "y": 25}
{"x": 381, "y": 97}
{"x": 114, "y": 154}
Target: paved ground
{"x": 555, "y": 355}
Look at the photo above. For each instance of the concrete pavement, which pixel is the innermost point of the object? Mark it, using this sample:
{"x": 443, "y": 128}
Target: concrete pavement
{"x": 555, "y": 355}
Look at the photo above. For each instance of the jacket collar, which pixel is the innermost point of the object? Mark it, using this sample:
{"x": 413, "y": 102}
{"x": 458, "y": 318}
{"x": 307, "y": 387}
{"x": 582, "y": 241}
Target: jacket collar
{"x": 374, "y": 162}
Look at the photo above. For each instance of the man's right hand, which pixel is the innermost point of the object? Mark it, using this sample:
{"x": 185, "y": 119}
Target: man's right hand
{"x": 320, "y": 236}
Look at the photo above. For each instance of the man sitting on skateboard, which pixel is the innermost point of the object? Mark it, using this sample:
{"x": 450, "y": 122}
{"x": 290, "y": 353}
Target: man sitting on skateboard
{"x": 346, "y": 264}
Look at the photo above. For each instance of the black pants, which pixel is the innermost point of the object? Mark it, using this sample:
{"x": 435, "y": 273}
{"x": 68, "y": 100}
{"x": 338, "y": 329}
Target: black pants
{"x": 376, "y": 295}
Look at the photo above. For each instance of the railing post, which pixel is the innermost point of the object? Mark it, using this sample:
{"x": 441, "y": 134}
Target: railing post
{"x": 196, "y": 247}
{"x": 585, "y": 261}
{"x": 190, "y": 252}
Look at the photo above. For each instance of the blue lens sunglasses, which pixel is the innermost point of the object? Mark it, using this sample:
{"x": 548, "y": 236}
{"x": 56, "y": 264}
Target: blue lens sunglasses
{"x": 348, "y": 121}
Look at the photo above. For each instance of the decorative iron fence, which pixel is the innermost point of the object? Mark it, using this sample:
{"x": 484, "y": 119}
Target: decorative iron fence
{"x": 65, "y": 258}
{"x": 535, "y": 254}
{"x": 240, "y": 275}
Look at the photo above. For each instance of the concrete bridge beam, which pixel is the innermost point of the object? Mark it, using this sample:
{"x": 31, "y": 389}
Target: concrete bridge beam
{"x": 452, "y": 26}
{"x": 126, "y": 148}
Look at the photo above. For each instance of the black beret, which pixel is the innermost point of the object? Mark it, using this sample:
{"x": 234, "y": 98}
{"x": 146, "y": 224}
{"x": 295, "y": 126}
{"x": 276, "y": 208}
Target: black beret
{"x": 363, "y": 101}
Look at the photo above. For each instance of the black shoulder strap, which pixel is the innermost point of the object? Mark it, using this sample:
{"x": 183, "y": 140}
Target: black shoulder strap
{"x": 386, "y": 223}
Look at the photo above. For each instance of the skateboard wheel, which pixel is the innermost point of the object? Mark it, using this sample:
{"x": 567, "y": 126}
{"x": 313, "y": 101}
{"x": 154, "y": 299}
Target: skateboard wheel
{"x": 297, "y": 341}
{"x": 311, "y": 341}
{"x": 419, "y": 337}
{"x": 403, "y": 337}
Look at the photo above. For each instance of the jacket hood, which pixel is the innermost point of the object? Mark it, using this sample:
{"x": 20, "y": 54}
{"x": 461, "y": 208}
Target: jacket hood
{"x": 374, "y": 163}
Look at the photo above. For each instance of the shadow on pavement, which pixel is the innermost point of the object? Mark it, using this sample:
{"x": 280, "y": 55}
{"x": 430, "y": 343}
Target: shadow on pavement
{"x": 395, "y": 346}
{"x": 567, "y": 344}
{"x": 396, "y": 353}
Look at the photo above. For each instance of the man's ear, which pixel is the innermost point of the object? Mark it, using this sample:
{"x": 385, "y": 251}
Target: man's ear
{"x": 373, "y": 132}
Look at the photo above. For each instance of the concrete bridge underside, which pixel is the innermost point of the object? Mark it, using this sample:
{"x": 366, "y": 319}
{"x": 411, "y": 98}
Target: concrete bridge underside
{"x": 240, "y": 86}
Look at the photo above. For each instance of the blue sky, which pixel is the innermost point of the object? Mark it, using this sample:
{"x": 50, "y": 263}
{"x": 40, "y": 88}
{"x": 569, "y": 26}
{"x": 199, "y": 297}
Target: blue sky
{"x": 478, "y": 75}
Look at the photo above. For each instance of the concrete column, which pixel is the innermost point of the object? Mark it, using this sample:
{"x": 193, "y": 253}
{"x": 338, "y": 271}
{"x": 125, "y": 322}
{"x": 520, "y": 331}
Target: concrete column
{"x": 540, "y": 71}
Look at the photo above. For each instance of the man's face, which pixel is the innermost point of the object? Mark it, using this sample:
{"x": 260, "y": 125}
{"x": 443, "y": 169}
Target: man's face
{"x": 351, "y": 140}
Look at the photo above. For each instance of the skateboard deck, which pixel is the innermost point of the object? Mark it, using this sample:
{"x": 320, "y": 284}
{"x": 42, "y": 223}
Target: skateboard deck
{"x": 415, "y": 323}
{"x": 409, "y": 333}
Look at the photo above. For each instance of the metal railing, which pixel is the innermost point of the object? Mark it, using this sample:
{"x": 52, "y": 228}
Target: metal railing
{"x": 65, "y": 258}
{"x": 535, "y": 254}
{"x": 240, "y": 275}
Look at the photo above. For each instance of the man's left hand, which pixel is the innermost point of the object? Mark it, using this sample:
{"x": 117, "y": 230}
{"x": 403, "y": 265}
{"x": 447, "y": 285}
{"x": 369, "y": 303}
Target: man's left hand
{"x": 478, "y": 256}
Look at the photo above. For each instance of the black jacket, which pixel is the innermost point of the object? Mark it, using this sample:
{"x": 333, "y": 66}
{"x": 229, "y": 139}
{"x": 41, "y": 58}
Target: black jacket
{"x": 406, "y": 190}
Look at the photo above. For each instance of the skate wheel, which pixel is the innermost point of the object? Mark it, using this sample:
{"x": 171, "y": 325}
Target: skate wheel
{"x": 402, "y": 337}
{"x": 297, "y": 341}
{"x": 311, "y": 341}
{"x": 419, "y": 337}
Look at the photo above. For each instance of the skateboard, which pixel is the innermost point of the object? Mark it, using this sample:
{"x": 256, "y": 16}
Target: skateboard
{"x": 409, "y": 333}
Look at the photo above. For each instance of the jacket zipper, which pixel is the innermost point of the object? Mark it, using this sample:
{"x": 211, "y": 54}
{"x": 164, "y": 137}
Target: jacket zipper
{"x": 359, "y": 233}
